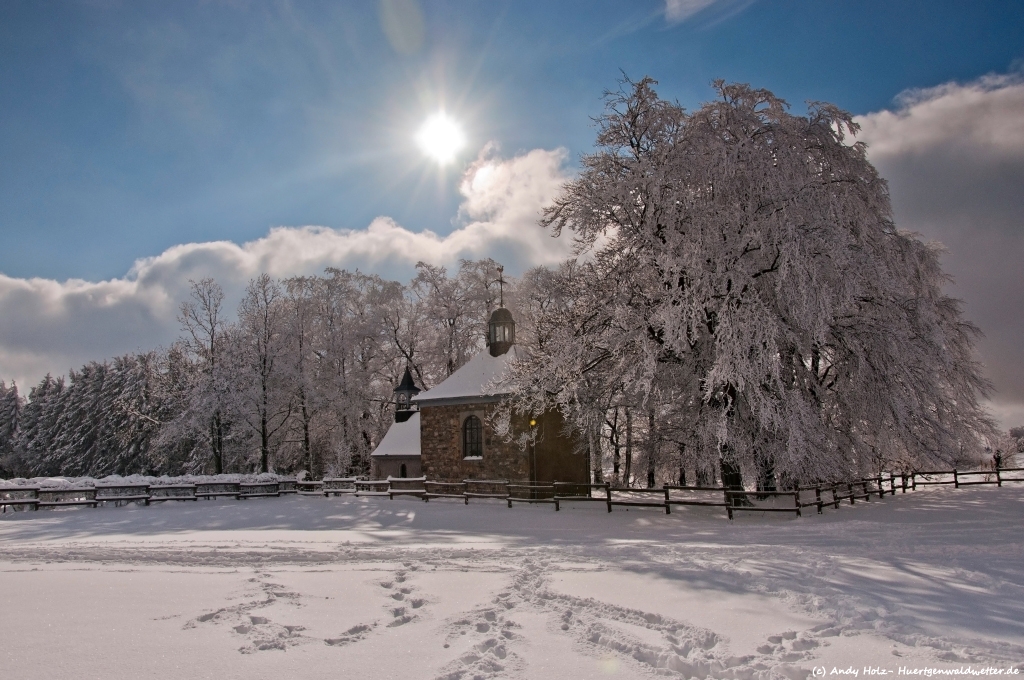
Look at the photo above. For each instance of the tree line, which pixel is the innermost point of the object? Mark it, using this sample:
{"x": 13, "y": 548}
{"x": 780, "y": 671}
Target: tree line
{"x": 300, "y": 378}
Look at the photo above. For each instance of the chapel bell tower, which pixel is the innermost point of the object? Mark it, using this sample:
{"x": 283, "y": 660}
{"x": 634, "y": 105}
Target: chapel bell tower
{"x": 501, "y": 332}
{"x": 404, "y": 393}
{"x": 501, "y": 327}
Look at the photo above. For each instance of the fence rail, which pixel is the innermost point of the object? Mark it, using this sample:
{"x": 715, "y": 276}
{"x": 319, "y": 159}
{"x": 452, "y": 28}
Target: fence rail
{"x": 825, "y": 493}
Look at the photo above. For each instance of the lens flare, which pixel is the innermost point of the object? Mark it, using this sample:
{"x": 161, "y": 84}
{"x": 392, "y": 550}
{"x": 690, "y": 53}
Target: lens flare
{"x": 441, "y": 138}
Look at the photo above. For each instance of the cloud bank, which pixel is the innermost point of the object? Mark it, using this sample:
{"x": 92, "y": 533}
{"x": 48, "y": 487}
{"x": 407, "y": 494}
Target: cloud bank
{"x": 954, "y": 159}
{"x": 50, "y": 326}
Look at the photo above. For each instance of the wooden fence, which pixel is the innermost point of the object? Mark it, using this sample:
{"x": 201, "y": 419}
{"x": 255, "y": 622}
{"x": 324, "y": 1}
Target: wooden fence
{"x": 35, "y": 497}
{"x": 818, "y": 496}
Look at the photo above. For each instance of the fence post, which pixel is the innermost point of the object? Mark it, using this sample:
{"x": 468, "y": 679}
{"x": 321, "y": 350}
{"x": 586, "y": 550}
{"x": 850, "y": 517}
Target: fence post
{"x": 668, "y": 508}
{"x": 796, "y": 499}
{"x": 608, "y": 495}
{"x": 913, "y": 481}
{"x": 817, "y": 497}
{"x": 835, "y": 496}
{"x": 956, "y": 480}
{"x": 852, "y": 494}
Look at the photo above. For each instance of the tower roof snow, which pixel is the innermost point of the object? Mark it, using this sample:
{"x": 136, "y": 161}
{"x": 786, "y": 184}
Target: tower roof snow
{"x": 478, "y": 381}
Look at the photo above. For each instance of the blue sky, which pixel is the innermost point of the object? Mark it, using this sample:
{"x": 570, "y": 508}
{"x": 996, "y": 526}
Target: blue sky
{"x": 146, "y": 143}
{"x": 126, "y": 128}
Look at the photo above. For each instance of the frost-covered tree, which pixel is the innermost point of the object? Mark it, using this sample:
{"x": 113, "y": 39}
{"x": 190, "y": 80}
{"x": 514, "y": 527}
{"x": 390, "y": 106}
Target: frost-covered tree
{"x": 339, "y": 331}
{"x": 105, "y": 419}
{"x": 300, "y": 316}
{"x": 131, "y": 414}
{"x": 347, "y": 340}
{"x": 36, "y": 425}
{"x": 10, "y": 412}
{"x": 260, "y": 386}
{"x": 1007, "y": 447}
{"x": 186, "y": 439}
{"x": 534, "y": 300}
{"x": 740, "y": 277}
{"x": 202, "y": 322}
{"x": 383, "y": 337}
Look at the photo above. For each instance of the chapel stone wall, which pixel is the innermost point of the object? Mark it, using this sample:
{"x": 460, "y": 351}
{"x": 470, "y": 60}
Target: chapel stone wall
{"x": 383, "y": 467}
{"x": 441, "y": 447}
{"x": 554, "y": 457}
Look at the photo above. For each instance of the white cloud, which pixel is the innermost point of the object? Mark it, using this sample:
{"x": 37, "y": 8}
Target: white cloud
{"x": 50, "y": 326}
{"x": 678, "y": 11}
{"x": 954, "y": 159}
{"x": 983, "y": 117}
{"x": 681, "y": 10}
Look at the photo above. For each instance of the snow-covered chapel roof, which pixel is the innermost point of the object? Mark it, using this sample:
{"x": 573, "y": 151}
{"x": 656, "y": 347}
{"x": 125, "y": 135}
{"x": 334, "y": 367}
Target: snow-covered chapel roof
{"x": 402, "y": 439}
{"x": 473, "y": 383}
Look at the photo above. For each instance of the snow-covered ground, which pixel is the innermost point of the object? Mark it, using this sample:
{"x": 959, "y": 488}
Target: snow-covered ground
{"x": 307, "y": 587}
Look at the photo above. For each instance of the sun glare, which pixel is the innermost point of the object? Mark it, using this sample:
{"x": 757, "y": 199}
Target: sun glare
{"x": 441, "y": 138}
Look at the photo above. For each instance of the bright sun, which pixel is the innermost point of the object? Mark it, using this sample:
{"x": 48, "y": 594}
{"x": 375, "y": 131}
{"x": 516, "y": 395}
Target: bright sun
{"x": 441, "y": 138}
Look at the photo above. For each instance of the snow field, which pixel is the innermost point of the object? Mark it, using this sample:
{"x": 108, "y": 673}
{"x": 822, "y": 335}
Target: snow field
{"x": 350, "y": 587}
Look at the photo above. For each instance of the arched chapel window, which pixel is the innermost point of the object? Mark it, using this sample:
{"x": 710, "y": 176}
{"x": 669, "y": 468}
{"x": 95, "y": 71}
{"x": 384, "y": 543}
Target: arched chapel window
{"x": 472, "y": 438}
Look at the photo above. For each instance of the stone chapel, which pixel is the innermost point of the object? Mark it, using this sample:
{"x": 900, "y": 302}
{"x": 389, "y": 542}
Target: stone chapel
{"x": 450, "y": 430}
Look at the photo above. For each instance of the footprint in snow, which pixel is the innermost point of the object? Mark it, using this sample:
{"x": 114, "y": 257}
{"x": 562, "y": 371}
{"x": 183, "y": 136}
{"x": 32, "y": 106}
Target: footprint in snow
{"x": 688, "y": 650}
{"x": 260, "y": 632}
{"x": 401, "y": 615}
{"x": 353, "y": 634}
{"x": 491, "y": 656}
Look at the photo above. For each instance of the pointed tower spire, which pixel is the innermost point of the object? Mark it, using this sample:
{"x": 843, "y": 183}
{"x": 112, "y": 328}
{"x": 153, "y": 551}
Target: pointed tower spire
{"x": 404, "y": 393}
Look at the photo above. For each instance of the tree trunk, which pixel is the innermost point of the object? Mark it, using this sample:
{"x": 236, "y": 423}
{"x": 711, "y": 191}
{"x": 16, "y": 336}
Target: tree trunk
{"x": 732, "y": 477}
{"x": 704, "y": 476}
{"x": 217, "y": 443}
{"x": 628, "y": 471}
{"x": 307, "y": 450}
{"x": 682, "y": 465}
{"x": 652, "y": 447}
{"x": 595, "y": 456}
{"x": 264, "y": 431}
{"x": 765, "y": 475}
{"x": 264, "y": 445}
{"x": 613, "y": 437}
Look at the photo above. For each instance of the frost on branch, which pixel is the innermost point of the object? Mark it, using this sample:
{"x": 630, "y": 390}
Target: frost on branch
{"x": 740, "y": 280}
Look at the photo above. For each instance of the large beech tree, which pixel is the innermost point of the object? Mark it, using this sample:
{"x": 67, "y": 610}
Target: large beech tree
{"x": 741, "y": 280}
